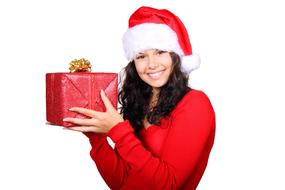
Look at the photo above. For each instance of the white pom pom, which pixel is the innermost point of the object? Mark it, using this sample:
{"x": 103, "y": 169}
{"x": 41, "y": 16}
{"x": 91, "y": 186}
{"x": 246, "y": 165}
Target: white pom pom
{"x": 190, "y": 63}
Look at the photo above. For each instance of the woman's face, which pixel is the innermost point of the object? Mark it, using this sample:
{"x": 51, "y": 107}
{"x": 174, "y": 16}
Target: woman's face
{"x": 154, "y": 67}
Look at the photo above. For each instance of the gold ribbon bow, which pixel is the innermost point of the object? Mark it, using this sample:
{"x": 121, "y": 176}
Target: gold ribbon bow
{"x": 81, "y": 65}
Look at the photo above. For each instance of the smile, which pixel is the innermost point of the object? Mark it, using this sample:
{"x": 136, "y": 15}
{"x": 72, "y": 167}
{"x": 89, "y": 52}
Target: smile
{"x": 155, "y": 75}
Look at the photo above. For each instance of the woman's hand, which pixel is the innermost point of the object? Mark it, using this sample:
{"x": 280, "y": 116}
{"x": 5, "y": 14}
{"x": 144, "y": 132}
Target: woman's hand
{"x": 99, "y": 122}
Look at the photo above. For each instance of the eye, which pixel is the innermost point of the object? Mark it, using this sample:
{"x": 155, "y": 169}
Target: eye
{"x": 140, "y": 56}
{"x": 159, "y": 52}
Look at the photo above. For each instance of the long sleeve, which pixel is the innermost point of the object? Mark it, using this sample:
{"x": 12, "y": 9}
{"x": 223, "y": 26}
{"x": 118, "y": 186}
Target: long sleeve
{"x": 111, "y": 167}
{"x": 189, "y": 140}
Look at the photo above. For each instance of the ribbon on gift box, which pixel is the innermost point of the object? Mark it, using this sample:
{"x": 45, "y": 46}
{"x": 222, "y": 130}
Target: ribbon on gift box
{"x": 81, "y": 65}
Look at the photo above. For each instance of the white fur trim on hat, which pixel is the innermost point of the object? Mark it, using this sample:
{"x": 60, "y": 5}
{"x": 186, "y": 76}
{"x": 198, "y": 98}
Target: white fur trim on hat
{"x": 190, "y": 63}
{"x": 150, "y": 36}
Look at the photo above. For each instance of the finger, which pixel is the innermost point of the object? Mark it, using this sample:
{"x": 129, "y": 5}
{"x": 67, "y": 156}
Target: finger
{"x": 85, "y": 111}
{"x": 78, "y": 121}
{"x": 83, "y": 129}
{"x": 106, "y": 101}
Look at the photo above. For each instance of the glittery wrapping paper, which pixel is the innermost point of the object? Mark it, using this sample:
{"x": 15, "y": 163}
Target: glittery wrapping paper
{"x": 81, "y": 89}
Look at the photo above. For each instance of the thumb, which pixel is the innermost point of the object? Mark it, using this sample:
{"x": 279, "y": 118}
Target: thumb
{"x": 106, "y": 101}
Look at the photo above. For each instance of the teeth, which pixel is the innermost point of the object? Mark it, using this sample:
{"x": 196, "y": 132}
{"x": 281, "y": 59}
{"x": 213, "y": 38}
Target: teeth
{"x": 155, "y": 75}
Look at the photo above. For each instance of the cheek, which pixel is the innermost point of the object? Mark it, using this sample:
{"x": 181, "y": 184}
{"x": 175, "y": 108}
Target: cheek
{"x": 166, "y": 60}
{"x": 140, "y": 68}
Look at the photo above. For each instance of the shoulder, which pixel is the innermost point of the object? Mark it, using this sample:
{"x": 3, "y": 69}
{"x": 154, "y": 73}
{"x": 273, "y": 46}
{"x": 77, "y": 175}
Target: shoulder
{"x": 194, "y": 100}
{"x": 195, "y": 94}
{"x": 194, "y": 97}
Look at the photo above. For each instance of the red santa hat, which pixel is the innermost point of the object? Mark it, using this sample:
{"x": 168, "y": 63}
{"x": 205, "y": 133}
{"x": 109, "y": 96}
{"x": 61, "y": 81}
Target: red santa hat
{"x": 151, "y": 28}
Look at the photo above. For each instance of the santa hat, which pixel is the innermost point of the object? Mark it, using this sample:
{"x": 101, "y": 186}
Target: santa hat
{"x": 151, "y": 28}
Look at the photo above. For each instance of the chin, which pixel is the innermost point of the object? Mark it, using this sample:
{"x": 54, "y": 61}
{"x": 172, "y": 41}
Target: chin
{"x": 157, "y": 84}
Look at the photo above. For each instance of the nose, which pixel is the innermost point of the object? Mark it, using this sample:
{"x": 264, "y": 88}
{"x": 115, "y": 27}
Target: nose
{"x": 152, "y": 63}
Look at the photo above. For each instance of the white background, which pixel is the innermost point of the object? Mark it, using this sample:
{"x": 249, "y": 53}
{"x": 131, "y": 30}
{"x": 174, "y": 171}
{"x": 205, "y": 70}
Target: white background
{"x": 241, "y": 44}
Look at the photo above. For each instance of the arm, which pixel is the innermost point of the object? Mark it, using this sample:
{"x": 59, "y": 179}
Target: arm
{"x": 111, "y": 167}
{"x": 192, "y": 124}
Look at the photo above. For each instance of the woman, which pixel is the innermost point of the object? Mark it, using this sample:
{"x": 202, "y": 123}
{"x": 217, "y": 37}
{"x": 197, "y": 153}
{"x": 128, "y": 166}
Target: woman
{"x": 165, "y": 134}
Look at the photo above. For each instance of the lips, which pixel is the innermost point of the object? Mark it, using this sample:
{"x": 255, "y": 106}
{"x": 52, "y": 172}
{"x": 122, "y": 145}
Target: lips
{"x": 155, "y": 75}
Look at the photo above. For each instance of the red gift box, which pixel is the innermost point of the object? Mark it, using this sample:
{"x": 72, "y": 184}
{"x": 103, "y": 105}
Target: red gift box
{"x": 78, "y": 89}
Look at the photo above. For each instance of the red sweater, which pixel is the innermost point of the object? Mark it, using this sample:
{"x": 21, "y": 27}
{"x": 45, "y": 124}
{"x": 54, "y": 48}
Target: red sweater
{"x": 173, "y": 155}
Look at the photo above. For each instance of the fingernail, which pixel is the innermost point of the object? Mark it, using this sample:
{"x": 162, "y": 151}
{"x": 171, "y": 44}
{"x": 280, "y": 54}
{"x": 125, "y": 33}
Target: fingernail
{"x": 65, "y": 119}
{"x": 102, "y": 92}
{"x": 71, "y": 109}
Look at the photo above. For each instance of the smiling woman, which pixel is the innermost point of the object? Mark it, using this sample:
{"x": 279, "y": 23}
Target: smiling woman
{"x": 165, "y": 132}
{"x": 153, "y": 67}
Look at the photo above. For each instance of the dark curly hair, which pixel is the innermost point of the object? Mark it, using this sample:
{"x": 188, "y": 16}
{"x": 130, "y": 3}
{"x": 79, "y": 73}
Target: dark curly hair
{"x": 135, "y": 95}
